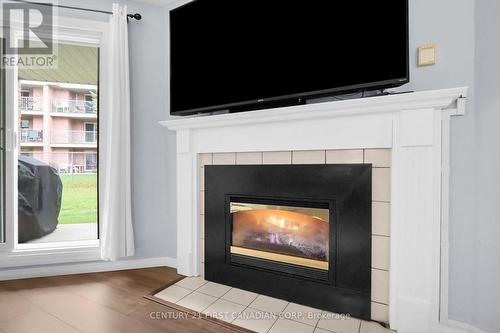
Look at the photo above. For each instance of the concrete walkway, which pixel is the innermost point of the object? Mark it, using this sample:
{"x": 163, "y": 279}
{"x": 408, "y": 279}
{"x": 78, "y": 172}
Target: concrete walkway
{"x": 70, "y": 232}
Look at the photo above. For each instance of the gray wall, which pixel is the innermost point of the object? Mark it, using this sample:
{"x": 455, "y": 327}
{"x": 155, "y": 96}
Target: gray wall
{"x": 486, "y": 290}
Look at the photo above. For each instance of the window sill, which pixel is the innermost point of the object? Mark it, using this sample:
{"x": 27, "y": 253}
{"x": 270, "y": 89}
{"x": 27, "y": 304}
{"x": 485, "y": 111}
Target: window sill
{"x": 58, "y": 245}
{"x": 50, "y": 254}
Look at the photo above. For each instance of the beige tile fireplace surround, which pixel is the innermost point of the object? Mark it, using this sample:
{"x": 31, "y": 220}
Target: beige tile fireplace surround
{"x": 381, "y": 162}
{"x": 406, "y": 137}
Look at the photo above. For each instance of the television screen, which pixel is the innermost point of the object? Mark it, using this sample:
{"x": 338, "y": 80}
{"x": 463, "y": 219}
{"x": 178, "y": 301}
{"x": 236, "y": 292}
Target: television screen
{"x": 228, "y": 54}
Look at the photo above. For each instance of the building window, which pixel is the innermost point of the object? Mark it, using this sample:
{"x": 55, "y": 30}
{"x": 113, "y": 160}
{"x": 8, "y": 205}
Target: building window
{"x": 90, "y": 132}
{"x": 90, "y": 103}
{"x": 25, "y": 124}
{"x": 91, "y": 162}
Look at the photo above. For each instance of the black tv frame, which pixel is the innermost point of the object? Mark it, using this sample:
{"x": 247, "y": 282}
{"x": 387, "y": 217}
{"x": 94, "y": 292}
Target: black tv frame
{"x": 299, "y": 98}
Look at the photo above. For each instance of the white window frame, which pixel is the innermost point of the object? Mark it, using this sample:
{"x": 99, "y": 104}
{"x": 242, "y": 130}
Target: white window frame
{"x": 68, "y": 30}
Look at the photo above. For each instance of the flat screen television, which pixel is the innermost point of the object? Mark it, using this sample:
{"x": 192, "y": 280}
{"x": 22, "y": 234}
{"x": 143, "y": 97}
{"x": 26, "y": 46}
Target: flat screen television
{"x": 248, "y": 54}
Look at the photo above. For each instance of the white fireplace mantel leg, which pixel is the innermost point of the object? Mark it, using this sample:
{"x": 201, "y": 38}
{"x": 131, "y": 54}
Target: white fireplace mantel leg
{"x": 187, "y": 206}
{"x": 415, "y": 221}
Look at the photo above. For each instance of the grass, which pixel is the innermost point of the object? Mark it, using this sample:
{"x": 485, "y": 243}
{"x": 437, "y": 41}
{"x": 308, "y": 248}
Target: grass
{"x": 79, "y": 199}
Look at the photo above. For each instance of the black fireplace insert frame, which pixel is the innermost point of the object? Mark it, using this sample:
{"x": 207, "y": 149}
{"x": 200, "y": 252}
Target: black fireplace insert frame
{"x": 346, "y": 189}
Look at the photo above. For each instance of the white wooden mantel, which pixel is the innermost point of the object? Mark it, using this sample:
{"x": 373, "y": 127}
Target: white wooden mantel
{"x": 414, "y": 125}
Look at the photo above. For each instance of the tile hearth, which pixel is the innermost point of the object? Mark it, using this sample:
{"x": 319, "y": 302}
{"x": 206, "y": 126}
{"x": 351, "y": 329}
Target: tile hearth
{"x": 260, "y": 313}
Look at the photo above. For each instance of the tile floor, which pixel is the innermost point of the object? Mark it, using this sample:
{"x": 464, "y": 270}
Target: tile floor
{"x": 260, "y": 313}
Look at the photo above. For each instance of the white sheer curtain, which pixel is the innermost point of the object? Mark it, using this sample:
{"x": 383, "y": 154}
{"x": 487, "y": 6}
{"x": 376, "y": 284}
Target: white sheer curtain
{"x": 117, "y": 236}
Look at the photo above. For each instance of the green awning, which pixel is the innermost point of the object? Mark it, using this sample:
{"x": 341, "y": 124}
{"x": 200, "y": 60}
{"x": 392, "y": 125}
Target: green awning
{"x": 76, "y": 64}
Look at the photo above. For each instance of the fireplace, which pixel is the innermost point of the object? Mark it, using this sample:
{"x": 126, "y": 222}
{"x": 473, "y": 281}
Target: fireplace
{"x": 295, "y": 232}
{"x": 413, "y": 206}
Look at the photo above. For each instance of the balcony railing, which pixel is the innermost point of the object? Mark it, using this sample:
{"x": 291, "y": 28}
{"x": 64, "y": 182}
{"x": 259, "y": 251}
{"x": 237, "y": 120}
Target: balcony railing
{"x": 67, "y": 162}
{"x": 31, "y": 104}
{"x": 74, "y": 107}
{"x": 74, "y": 137}
{"x": 31, "y": 136}
{"x": 35, "y": 104}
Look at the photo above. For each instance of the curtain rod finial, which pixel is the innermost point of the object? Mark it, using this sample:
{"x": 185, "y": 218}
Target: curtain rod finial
{"x": 136, "y": 16}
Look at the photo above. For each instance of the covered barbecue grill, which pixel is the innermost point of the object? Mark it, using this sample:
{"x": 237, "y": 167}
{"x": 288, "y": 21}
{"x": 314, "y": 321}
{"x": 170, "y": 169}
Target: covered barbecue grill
{"x": 40, "y": 194}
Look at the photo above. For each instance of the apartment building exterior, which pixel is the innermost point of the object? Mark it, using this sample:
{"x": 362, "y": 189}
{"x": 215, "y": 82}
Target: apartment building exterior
{"x": 58, "y": 124}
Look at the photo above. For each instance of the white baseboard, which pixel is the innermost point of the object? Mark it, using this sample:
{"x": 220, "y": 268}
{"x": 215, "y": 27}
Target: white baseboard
{"x": 88, "y": 267}
{"x": 453, "y": 326}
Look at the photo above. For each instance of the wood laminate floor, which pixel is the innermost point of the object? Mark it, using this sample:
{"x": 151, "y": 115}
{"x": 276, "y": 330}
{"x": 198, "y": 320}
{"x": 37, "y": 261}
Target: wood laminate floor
{"x": 99, "y": 302}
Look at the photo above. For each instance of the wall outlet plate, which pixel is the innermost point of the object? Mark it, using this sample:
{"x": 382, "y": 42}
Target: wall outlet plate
{"x": 427, "y": 55}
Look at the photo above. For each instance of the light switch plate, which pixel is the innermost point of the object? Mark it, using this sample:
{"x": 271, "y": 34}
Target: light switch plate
{"x": 427, "y": 55}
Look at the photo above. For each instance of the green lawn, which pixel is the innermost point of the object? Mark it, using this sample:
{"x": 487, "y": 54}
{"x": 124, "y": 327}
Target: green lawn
{"x": 79, "y": 200}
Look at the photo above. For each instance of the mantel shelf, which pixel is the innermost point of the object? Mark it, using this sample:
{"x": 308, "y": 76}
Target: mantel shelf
{"x": 435, "y": 99}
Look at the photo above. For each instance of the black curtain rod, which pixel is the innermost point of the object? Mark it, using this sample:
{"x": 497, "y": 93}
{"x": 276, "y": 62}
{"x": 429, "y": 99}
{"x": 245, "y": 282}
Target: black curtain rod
{"x": 136, "y": 16}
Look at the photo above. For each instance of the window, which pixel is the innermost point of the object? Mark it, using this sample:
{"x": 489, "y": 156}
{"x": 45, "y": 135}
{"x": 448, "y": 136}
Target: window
{"x": 90, "y": 103}
{"x": 50, "y": 118}
{"x": 60, "y": 199}
{"x": 91, "y": 162}
{"x": 90, "y": 132}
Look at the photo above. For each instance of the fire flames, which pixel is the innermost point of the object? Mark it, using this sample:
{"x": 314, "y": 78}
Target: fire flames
{"x": 283, "y": 232}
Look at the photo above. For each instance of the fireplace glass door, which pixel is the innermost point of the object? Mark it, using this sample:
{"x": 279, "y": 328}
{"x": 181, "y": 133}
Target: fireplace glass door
{"x": 291, "y": 235}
